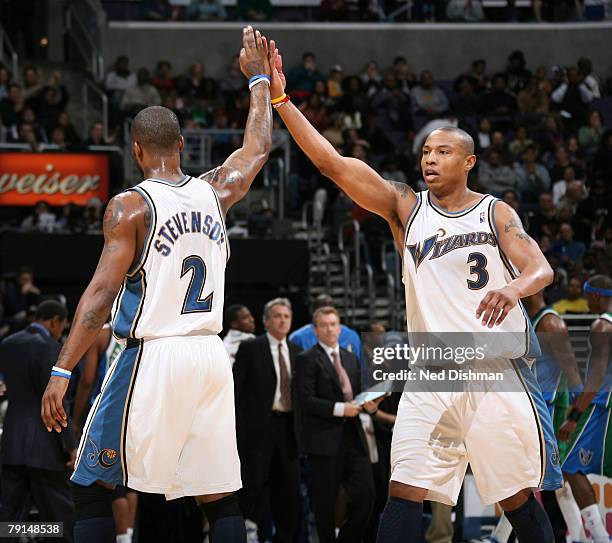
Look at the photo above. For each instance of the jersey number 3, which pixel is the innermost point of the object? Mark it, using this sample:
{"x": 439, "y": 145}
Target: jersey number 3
{"x": 193, "y": 302}
{"x": 479, "y": 269}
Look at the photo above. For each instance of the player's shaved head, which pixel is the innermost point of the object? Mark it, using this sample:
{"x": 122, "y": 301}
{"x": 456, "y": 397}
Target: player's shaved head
{"x": 461, "y": 135}
{"x": 157, "y": 130}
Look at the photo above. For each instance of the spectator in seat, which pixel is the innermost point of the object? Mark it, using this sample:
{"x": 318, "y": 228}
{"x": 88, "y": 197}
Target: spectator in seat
{"x": 520, "y": 142}
{"x": 32, "y": 86}
{"x": 12, "y": 106}
{"x": 562, "y": 161}
{"x": 20, "y": 296}
{"x": 163, "y": 80}
{"x": 54, "y": 102}
{"x": 465, "y": 11}
{"x": 593, "y": 83}
{"x": 573, "y": 97}
{"x": 301, "y": 78}
{"x": 241, "y": 327}
{"x": 544, "y": 221}
{"x": 314, "y": 110}
{"x": 119, "y": 79}
{"x": 427, "y": 98}
{"x": 157, "y": 10}
{"x": 142, "y": 95}
{"x": 334, "y": 83}
{"x": 334, "y": 10}
{"x": 573, "y": 301}
{"x": 206, "y": 10}
{"x": 589, "y": 136}
{"x": 371, "y": 79}
{"x": 58, "y": 138}
{"x": 71, "y": 135}
{"x": 406, "y": 78}
{"x": 483, "y": 135}
{"x": 561, "y": 186}
{"x": 305, "y": 336}
{"x": 392, "y": 173}
{"x": 253, "y": 10}
{"x": 495, "y": 177}
{"x": 42, "y": 219}
{"x": 464, "y": 103}
{"x": 532, "y": 178}
{"x": 96, "y": 135}
{"x": 199, "y": 85}
{"x": 25, "y": 133}
{"x": 566, "y": 248}
{"x": 517, "y": 75}
{"x": 478, "y": 76}
{"x": 334, "y": 132}
{"x": 498, "y": 101}
{"x": 234, "y": 81}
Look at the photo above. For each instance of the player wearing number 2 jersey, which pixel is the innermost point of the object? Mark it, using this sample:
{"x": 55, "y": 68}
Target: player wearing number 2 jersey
{"x": 164, "y": 420}
{"x": 459, "y": 250}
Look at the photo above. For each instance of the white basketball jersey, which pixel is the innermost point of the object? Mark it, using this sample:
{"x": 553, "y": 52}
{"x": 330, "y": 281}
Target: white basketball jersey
{"x": 177, "y": 287}
{"x": 450, "y": 261}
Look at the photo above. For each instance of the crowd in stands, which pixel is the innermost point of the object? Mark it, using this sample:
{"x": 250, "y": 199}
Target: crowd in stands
{"x": 367, "y": 10}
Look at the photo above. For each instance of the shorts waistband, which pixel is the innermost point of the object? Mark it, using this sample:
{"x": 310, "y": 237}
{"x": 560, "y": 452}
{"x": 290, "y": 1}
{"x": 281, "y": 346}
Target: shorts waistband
{"x": 136, "y": 342}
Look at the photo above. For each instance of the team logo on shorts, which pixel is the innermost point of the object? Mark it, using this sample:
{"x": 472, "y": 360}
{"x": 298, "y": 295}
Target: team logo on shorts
{"x": 105, "y": 457}
{"x": 554, "y": 456}
{"x": 585, "y": 456}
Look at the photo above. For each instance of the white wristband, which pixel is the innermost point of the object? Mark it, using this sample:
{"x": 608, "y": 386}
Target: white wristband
{"x": 67, "y": 373}
{"x": 251, "y": 85}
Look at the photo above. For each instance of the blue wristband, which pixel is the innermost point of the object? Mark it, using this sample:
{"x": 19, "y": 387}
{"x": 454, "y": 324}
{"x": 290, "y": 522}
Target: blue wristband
{"x": 258, "y": 77}
{"x": 58, "y": 374}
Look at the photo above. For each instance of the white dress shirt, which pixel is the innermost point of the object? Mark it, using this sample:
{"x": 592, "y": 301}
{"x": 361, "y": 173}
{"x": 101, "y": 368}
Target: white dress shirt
{"x": 274, "y": 343}
{"x": 338, "y": 406}
{"x": 232, "y": 341}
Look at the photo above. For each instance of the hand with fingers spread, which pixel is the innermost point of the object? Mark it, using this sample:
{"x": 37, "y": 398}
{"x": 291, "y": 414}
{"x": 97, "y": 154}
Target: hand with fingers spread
{"x": 496, "y": 305}
{"x": 52, "y": 408}
{"x": 254, "y": 53}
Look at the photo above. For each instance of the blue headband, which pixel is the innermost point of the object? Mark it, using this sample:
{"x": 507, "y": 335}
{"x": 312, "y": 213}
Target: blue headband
{"x": 597, "y": 290}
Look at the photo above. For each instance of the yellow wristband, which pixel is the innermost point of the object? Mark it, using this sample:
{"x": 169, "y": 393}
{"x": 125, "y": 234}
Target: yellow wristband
{"x": 279, "y": 99}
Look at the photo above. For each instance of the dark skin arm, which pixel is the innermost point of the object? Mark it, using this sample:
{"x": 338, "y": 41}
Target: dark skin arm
{"x": 234, "y": 177}
{"x": 561, "y": 348}
{"x": 600, "y": 358}
{"x": 88, "y": 377}
{"x": 392, "y": 201}
{"x": 125, "y": 222}
{"x": 525, "y": 254}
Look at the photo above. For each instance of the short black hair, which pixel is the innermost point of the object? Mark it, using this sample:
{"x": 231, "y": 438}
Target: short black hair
{"x": 49, "y": 309}
{"x": 467, "y": 140}
{"x": 157, "y": 128}
{"x": 231, "y": 313}
{"x": 323, "y": 300}
{"x": 308, "y": 54}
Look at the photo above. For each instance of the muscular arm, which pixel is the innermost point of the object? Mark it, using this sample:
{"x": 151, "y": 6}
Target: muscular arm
{"x": 88, "y": 376}
{"x": 598, "y": 364}
{"x": 121, "y": 219}
{"x": 522, "y": 251}
{"x": 392, "y": 201}
{"x": 561, "y": 348}
{"x": 234, "y": 177}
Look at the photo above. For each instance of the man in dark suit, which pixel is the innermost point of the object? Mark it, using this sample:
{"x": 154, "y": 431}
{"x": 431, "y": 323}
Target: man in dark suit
{"x": 34, "y": 461}
{"x": 328, "y": 378}
{"x": 268, "y": 422}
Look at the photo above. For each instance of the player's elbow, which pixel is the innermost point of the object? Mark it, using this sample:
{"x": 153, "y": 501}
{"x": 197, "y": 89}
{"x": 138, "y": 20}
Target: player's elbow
{"x": 548, "y": 274}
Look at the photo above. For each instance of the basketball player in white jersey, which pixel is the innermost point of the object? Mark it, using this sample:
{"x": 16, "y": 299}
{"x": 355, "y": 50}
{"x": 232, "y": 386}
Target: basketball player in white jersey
{"x": 464, "y": 245}
{"x": 164, "y": 420}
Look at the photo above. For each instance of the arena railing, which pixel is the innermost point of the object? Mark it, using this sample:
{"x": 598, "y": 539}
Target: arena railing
{"x": 89, "y": 88}
{"x": 7, "y": 50}
{"x": 80, "y": 35}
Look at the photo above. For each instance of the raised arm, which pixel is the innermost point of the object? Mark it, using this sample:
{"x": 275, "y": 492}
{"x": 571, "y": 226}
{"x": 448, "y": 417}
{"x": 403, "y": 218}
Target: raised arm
{"x": 525, "y": 254}
{"x": 392, "y": 201}
{"x": 233, "y": 178}
{"x": 121, "y": 219}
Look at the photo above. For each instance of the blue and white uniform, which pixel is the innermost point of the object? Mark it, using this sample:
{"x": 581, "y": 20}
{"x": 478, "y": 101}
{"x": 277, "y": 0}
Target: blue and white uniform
{"x": 164, "y": 421}
{"x": 501, "y": 428}
{"x": 590, "y": 447}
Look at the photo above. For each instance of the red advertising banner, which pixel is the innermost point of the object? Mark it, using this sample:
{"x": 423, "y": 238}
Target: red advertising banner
{"x": 55, "y": 178}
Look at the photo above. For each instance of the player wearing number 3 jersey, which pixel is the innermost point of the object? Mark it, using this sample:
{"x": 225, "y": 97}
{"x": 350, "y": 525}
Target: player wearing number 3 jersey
{"x": 459, "y": 251}
{"x": 164, "y": 419}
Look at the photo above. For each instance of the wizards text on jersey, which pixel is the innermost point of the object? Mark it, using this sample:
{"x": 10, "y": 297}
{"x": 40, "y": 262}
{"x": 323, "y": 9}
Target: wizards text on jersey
{"x": 187, "y": 223}
{"x": 441, "y": 247}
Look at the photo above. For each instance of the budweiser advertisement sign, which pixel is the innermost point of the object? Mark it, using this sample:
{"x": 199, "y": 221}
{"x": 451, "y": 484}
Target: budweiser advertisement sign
{"x": 58, "y": 179}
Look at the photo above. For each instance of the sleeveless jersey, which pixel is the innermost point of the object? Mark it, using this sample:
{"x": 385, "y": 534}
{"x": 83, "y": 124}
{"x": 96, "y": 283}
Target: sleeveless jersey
{"x": 547, "y": 369}
{"x": 177, "y": 286}
{"x": 451, "y": 260}
{"x": 604, "y": 395}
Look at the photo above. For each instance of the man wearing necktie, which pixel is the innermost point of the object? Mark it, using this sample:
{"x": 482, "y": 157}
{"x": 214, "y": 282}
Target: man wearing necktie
{"x": 328, "y": 378}
{"x": 268, "y": 423}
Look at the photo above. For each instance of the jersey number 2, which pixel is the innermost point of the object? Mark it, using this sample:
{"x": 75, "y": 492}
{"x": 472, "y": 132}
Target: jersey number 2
{"x": 479, "y": 268}
{"x": 193, "y": 302}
